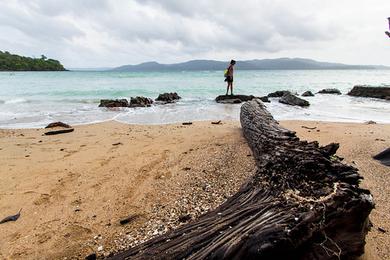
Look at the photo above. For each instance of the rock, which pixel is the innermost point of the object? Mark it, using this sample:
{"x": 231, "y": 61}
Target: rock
{"x": 307, "y": 94}
{"x": 100, "y": 248}
{"x": 330, "y": 91}
{"x": 114, "y": 103}
{"x": 293, "y": 100}
{"x": 369, "y": 91}
{"x": 278, "y": 93}
{"x": 58, "y": 124}
{"x": 233, "y": 99}
{"x": 216, "y": 122}
{"x": 370, "y": 122}
{"x": 168, "y": 97}
{"x": 186, "y": 123}
{"x": 140, "y": 102}
{"x": 230, "y": 101}
{"x": 91, "y": 257}
{"x": 264, "y": 99}
{"x": 383, "y": 157}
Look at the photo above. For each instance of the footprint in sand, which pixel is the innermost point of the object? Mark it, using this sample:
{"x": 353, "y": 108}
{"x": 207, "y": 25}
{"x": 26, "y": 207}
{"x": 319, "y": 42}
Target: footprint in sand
{"x": 43, "y": 199}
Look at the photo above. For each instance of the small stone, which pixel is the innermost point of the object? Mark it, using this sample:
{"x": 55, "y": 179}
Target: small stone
{"x": 100, "y": 248}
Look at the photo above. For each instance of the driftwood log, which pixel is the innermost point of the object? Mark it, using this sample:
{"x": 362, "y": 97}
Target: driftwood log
{"x": 300, "y": 204}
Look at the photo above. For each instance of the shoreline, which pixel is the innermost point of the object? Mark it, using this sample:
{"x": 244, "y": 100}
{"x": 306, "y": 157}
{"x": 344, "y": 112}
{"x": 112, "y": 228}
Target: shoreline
{"x": 74, "y": 188}
{"x": 196, "y": 121}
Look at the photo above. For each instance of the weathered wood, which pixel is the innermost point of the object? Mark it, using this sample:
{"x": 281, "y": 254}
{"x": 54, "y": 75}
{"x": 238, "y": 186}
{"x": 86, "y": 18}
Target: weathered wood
{"x": 299, "y": 204}
{"x": 59, "y": 131}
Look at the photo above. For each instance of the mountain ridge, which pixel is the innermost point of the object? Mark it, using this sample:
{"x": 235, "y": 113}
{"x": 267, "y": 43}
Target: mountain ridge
{"x": 255, "y": 64}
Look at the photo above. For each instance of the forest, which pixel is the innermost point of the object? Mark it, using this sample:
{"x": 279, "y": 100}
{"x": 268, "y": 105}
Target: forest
{"x": 13, "y": 62}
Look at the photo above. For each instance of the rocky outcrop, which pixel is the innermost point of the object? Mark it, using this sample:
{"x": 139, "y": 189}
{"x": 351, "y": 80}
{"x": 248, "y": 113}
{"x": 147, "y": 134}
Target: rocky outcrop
{"x": 369, "y": 91}
{"x": 330, "y": 91}
{"x": 114, "y": 103}
{"x": 307, "y": 94}
{"x": 278, "y": 93}
{"x": 233, "y": 99}
{"x": 290, "y": 99}
{"x": 168, "y": 97}
{"x": 140, "y": 102}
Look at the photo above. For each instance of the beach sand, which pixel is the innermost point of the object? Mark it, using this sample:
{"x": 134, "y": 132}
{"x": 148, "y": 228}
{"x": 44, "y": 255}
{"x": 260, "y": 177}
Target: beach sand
{"x": 75, "y": 188}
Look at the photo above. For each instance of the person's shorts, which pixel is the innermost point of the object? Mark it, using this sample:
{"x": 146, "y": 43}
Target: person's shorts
{"x": 229, "y": 79}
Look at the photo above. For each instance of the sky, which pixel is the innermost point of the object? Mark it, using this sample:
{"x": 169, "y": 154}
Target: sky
{"x": 109, "y": 33}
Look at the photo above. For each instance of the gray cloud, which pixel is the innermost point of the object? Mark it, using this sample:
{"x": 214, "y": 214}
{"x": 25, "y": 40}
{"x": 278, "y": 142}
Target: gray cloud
{"x": 113, "y": 32}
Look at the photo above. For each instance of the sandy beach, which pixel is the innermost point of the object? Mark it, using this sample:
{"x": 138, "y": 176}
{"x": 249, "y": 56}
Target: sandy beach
{"x": 75, "y": 189}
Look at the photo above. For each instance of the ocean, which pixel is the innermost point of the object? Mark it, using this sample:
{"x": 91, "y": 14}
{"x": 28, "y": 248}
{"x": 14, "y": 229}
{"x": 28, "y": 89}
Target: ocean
{"x": 34, "y": 99}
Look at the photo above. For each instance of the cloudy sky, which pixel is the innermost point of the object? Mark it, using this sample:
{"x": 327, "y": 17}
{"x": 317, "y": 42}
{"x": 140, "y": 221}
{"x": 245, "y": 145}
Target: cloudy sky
{"x": 106, "y": 33}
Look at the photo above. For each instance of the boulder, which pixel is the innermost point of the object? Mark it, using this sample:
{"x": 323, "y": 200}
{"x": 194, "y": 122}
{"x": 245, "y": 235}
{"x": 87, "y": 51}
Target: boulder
{"x": 307, "y": 94}
{"x": 278, "y": 93}
{"x": 140, "y": 102}
{"x": 330, "y": 91}
{"x": 290, "y": 99}
{"x": 369, "y": 91}
{"x": 233, "y": 99}
{"x": 264, "y": 99}
{"x": 114, "y": 103}
{"x": 168, "y": 97}
{"x": 58, "y": 124}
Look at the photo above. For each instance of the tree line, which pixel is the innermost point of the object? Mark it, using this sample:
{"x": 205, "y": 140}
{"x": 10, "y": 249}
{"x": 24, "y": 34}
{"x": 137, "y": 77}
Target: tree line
{"x": 13, "y": 62}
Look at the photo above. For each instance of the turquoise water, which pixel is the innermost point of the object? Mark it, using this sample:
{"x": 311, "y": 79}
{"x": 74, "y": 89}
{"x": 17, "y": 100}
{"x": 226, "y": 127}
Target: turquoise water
{"x": 33, "y": 99}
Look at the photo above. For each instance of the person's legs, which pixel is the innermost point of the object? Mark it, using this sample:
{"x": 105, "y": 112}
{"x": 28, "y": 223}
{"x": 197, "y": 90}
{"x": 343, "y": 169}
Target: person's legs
{"x": 227, "y": 88}
{"x": 231, "y": 88}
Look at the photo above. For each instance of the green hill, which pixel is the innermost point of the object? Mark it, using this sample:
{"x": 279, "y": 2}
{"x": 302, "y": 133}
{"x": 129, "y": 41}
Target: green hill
{"x": 13, "y": 62}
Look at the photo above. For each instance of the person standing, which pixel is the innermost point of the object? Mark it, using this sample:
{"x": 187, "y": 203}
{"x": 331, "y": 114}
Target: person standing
{"x": 388, "y": 32}
{"x": 229, "y": 77}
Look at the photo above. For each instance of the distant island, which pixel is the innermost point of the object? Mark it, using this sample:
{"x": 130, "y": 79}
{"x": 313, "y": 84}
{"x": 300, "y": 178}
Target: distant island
{"x": 13, "y": 62}
{"x": 265, "y": 64}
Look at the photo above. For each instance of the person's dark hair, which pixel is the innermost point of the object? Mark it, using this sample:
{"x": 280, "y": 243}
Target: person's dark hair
{"x": 232, "y": 62}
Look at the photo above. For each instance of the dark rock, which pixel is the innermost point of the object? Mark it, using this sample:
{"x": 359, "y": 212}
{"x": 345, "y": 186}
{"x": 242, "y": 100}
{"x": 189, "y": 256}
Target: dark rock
{"x": 307, "y": 94}
{"x": 330, "y": 91}
{"x": 114, "y": 103}
{"x": 368, "y": 91}
{"x": 91, "y": 257}
{"x": 233, "y": 99}
{"x": 293, "y": 100}
{"x": 216, "y": 122}
{"x": 58, "y": 124}
{"x": 140, "y": 102}
{"x": 264, "y": 99}
{"x": 383, "y": 157}
{"x": 278, "y": 93}
{"x": 187, "y": 123}
{"x": 168, "y": 97}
